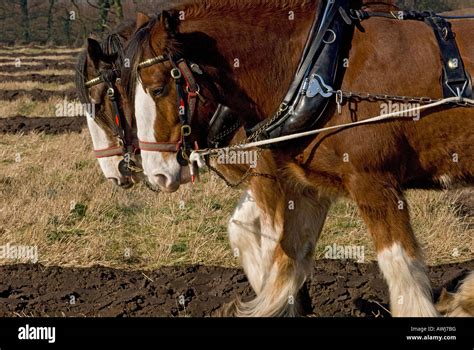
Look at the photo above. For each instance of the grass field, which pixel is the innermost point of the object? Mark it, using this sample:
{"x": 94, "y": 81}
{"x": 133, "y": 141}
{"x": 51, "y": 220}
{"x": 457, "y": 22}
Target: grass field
{"x": 53, "y": 195}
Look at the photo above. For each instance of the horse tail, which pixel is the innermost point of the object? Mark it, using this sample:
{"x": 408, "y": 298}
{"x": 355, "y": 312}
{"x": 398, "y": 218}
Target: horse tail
{"x": 461, "y": 303}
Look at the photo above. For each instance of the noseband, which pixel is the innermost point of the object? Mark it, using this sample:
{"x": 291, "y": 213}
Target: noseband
{"x": 188, "y": 92}
{"x": 127, "y": 147}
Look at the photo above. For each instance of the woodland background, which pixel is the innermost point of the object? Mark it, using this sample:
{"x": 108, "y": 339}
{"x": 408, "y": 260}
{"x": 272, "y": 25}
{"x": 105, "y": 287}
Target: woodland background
{"x": 51, "y": 22}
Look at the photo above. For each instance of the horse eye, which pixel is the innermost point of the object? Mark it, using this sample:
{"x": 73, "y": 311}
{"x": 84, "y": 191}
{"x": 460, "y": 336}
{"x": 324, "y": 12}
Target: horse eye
{"x": 157, "y": 92}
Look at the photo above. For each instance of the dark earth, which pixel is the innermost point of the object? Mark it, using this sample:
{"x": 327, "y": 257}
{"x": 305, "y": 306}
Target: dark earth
{"x": 37, "y": 94}
{"x": 15, "y": 54}
{"x": 39, "y": 78}
{"x": 48, "y": 125}
{"x": 41, "y": 64}
{"x": 336, "y": 288}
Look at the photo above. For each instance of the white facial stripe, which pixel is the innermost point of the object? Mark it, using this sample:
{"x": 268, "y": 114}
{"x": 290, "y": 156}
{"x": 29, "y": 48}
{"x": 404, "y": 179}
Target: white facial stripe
{"x": 154, "y": 163}
{"x": 99, "y": 137}
{"x": 100, "y": 140}
{"x": 145, "y": 113}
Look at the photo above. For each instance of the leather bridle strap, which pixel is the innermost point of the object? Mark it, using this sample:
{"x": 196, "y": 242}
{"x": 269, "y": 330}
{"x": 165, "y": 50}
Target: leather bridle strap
{"x": 122, "y": 123}
{"x": 187, "y": 91}
{"x": 170, "y": 147}
{"x": 108, "y": 152}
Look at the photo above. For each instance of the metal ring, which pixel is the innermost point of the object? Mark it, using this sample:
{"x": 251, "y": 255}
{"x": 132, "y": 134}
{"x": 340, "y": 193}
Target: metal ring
{"x": 186, "y": 130}
{"x": 110, "y": 92}
{"x": 198, "y": 89}
{"x": 176, "y": 73}
{"x": 333, "y": 38}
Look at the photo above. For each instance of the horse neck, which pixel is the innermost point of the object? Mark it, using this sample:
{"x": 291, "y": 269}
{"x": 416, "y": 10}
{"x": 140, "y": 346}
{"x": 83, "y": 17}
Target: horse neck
{"x": 260, "y": 47}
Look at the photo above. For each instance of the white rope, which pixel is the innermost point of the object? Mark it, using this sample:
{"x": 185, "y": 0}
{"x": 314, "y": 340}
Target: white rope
{"x": 196, "y": 155}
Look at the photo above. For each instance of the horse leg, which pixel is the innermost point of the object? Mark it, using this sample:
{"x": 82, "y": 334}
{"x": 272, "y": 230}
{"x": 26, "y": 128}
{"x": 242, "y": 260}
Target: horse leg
{"x": 289, "y": 232}
{"x": 385, "y": 212}
{"x": 244, "y": 236}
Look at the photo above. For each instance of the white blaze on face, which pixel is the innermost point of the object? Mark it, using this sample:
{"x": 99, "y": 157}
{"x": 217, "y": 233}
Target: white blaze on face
{"x": 100, "y": 141}
{"x": 160, "y": 170}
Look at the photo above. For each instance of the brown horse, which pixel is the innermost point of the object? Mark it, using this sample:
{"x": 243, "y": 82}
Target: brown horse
{"x": 248, "y": 52}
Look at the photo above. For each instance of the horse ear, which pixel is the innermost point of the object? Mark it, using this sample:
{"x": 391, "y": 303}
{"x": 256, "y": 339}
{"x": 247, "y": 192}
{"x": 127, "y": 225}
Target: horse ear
{"x": 94, "y": 50}
{"x": 141, "y": 20}
{"x": 170, "y": 21}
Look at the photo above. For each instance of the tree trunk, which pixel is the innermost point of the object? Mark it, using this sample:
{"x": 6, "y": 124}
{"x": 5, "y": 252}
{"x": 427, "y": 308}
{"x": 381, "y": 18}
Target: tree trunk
{"x": 25, "y": 18}
{"x": 119, "y": 9}
{"x": 49, "y": 26}
{"x": 104, "y": 8}
{"x": 67, "y": 28}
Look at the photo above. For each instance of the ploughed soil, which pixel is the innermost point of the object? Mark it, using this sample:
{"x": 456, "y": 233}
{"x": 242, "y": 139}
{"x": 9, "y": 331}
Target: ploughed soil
{"x": 52, "y": 54}
{"x": 37, "y": 94}
{"x": 45, "y": 64}
{"x": 39, "y": 78}
{"x": 48, "y": 125}
{"x": 336, "y": 288}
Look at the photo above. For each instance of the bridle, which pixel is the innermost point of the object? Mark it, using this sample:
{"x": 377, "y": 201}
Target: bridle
{"x": 127, "y": 147}
{"x": 188, "y": 93}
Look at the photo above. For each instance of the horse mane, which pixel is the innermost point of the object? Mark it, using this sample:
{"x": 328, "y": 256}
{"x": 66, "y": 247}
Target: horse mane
{"x": 113, "y": 43}
{"x": 134, "y": 51}
{"x": 205, "y": 8}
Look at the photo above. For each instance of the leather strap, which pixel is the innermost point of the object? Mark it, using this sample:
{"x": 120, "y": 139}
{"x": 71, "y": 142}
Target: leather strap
{"x": 456, "y": 81}
{"x": 108, "y": 152}
{"x": 168, "y": 147}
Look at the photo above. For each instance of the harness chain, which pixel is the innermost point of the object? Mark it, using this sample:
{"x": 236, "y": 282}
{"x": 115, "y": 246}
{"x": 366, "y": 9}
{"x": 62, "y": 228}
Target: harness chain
{"x": 249, "y": 171}
{"x": 340, "y": 94}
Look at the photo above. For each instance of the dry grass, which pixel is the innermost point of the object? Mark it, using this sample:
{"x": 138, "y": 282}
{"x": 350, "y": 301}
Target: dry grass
{"x": 30, "y": 85}
{"x": 55, "y": 197}
{"x": 39, "y": 72}
{"x": 26, "y": 107}
{"x": 445, "y": 235}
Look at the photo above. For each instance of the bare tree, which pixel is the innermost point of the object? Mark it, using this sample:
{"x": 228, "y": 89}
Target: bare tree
{"x": 25, "y": 18}
{"x": 118, "y": 9}
{"x": 49, "y": 26}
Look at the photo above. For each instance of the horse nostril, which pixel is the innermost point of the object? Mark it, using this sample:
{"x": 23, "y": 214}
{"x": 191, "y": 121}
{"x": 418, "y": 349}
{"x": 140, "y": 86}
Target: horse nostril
{"x": 160, "y": 179}
{"x": 114, "y": 180}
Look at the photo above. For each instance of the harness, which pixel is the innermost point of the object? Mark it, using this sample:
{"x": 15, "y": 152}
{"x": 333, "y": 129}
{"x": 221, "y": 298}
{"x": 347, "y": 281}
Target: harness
{"x": 127, "y": 144}
{"x": 319, "y": 73}
{"x": 188, "y": 93}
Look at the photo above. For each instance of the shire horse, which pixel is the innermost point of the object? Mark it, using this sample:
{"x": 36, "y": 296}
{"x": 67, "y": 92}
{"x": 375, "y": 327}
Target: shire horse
{"x": 96, "y": 60}
{"x": 247, "y": 52}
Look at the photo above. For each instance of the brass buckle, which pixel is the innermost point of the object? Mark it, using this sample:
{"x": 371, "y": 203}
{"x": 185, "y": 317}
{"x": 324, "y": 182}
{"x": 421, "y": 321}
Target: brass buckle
{"x": 186, "y": 130}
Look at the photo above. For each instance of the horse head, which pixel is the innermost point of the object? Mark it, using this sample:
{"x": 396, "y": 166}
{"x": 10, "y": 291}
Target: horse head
{"x": 175, "y": 82}
{"x": 109, "y": 116}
